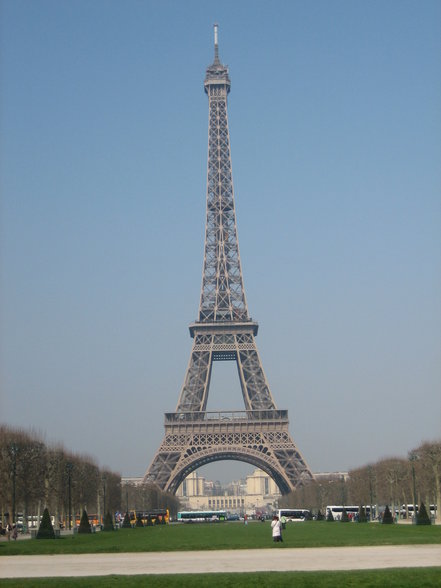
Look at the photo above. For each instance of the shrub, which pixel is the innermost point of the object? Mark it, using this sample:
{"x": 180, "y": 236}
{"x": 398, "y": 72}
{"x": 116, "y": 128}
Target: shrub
{"x": 84, "y": 524}
{"x": 46, "y": 530}
{"x": 139, "y": 522}
{"x": 362, "y": 515}
{"x": 422, "y": 516}
{"x": 126, "y": 522}
{"x": 330, "y": 517}
{"x": 108, "y": 522}
{"x": 320, "y": 516}
{"x": 387, "y": 516}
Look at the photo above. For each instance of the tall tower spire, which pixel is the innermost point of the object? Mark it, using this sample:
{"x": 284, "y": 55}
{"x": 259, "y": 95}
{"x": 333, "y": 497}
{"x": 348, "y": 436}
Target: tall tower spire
{"x": 217, "y": 73}
{"x": 216, "y": 45}
{"x": 224, "y": 332}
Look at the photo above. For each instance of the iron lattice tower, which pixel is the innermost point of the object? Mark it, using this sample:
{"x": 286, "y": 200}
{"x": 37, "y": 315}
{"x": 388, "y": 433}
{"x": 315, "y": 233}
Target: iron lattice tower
{"x": 224, "y": 331}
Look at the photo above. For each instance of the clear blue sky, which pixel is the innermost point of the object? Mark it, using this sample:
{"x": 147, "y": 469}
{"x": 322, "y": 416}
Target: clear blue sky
{"x": 335, "y": 130}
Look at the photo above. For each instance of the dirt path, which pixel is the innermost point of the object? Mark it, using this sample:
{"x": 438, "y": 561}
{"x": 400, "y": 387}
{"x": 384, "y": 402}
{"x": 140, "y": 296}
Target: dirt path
{"x": 247, "y": 560}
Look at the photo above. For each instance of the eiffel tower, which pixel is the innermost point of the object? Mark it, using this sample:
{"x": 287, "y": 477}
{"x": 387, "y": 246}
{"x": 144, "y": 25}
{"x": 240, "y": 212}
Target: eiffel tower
{"x": 224, "y": 331}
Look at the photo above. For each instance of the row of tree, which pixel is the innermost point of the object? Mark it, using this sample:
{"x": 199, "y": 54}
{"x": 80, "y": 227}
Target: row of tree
{"x": 393, "y": 481}
{"x": 147, "y": 497}
{"x": 35, "y": 475}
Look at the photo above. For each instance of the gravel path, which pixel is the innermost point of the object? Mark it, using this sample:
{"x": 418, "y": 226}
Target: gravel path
{"x": 247, "y": 560}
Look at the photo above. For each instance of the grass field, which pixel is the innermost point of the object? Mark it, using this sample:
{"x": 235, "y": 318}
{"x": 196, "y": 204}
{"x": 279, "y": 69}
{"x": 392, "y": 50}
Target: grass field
{"x": 227, "y": 536}
{"x": 409, "y": 578}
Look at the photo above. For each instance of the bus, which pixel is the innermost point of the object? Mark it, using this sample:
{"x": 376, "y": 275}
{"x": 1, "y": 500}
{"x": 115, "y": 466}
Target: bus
{"x": 352, "y": 511}
{"x": 155, "y": 516}
{"x": 94, "y": 520}
{"x": 407, "y": 510}
{"x": 294, "y": 515}
{"x": 202, "y": 516}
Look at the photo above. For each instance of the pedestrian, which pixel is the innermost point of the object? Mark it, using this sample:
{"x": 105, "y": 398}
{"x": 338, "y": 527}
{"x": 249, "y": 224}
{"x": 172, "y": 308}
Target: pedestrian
{"x": 276, "y": 526}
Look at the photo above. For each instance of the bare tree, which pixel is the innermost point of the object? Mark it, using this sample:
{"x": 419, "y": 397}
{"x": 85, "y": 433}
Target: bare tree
{"x": 429, "y": 473}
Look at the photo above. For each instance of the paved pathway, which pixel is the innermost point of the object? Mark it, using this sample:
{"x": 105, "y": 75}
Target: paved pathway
{"x": 247, "y": 560}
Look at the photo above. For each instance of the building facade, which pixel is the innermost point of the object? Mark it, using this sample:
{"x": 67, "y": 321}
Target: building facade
{"x": 255, "y": 495}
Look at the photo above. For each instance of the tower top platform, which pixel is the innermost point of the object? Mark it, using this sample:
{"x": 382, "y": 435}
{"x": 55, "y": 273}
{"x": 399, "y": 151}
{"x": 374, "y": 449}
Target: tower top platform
{"x": 217, "y": 73}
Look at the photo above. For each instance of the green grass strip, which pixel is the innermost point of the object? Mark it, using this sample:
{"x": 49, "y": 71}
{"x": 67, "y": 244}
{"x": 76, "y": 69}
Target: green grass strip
{"x": 197, "y": 537}
{"x": 403, "y": 578}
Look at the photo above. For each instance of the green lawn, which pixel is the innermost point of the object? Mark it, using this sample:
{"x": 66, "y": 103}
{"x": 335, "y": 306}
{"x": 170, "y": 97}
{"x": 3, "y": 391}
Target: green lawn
{"x": 409, "y": 578}
{"x": 227, "y": 536}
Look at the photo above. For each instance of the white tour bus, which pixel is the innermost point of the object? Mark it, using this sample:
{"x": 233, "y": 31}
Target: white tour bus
{"x": 294, "y": 514}
{"x": 202, "y": 516}
{"x": 407, "y": 510}
{"x": 352, "y": 511}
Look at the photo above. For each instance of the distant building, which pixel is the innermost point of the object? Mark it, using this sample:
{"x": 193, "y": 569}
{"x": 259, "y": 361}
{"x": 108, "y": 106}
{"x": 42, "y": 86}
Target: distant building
{"x": 131, "y": 480}
{"x": 258, "y": 493}
{"x": 331, "y": 476}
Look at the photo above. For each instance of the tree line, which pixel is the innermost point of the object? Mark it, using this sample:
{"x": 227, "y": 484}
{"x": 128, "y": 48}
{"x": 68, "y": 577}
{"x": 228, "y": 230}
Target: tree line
{"x": 391, "y": 481}
{"x": 35, "y": 476}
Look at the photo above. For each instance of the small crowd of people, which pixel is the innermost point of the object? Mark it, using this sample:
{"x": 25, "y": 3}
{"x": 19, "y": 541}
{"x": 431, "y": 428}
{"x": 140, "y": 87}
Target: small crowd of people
{"x": 10, "y": 531}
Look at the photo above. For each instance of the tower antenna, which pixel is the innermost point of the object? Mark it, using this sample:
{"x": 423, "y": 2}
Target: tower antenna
{"x": 216, "y": 46}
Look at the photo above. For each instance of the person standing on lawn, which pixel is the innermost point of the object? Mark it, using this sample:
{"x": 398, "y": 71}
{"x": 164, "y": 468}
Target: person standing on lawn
{"x": 276, "y": 526}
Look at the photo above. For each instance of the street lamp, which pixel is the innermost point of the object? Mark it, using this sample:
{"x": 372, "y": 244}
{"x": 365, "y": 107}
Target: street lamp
{"x": 412, "y": 458}
{"x": 104, "y": 478}
{"x": 343, "y": 490}
{"x": 69, "y": 467}
{"x": 371, "y": 512}
{"x": 13, "y": 450}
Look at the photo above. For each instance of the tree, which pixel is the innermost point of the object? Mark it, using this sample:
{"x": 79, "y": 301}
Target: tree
{"x": 86, "y": 482}
{"x": 31, "y": 470}
{"x": 148, "y": 497}
{"x": 55, "y": 482}
{"x": 46, "y": 530}
{"x": 330, "y": 517}
{"x": 359, "y": 485}
{"x": 422, "y": 516}
{"x": 113, "y": 491}
{"x": 362, "y": 518}
{"x": 344, "y": 516}
{"x": 33, "y": 474}
{"x": 387, "y": 516}
{"x": 126, "y": 522}
{"x": 429, "y": 475}
{"x": 84, "y": 524}
{"x": 108, "y": 522}
{"x": 393, "y": 481}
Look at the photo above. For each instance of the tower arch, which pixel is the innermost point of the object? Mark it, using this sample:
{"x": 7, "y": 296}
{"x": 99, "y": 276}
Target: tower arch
{"x": 209, "y": 457}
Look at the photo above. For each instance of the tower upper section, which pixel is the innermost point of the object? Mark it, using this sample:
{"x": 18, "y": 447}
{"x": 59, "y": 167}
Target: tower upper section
{"x": 223, "y": 295}
{"x": 216, "y": 73}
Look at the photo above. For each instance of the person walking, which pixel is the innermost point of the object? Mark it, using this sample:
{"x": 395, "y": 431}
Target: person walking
{"x": 276, "y": 526}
